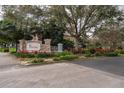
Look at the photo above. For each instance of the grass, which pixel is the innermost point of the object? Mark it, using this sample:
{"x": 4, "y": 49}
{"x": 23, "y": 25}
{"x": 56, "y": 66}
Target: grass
{"x": 12, "y": 50}
{"x": 37, "y": 59}
{"x": 41, "y": 60}
{"x": 68, "y": 57}
{"x": 9, "y": 49}
{"x": 1, "y": 49}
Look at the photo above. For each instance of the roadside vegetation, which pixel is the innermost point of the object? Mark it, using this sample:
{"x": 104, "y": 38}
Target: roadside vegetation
{"x": 84, "y": 30}
{"x": 47, "y": 58}
{"x": 8, "y": 50}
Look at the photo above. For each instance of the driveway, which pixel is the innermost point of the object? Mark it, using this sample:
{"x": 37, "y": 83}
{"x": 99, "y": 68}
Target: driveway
{"x": 8, "y": 62}
{"x": 100, "y": 72}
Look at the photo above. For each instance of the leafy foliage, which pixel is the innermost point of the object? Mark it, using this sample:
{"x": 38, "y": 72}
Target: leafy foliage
{"x": 111, "y": 54}
{"x": 67, "y": 44}
{"x": 81, "y": 20}
{"x": 68, "y": 57}
{"x": 58, "y": 54}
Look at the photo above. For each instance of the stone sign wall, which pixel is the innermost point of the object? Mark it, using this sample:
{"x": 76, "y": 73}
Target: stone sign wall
{"x": 35, "y": 45}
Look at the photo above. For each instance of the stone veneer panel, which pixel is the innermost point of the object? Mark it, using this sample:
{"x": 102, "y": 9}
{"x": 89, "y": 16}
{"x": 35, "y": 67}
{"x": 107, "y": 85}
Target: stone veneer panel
{"x": 44, "y": 47}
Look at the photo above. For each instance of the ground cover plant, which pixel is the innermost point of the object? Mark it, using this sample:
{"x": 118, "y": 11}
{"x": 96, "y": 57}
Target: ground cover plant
{"x": 7, "y": 49}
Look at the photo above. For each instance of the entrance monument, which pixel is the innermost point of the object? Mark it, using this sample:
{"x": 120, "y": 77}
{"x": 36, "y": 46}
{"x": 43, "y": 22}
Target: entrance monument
{"x": 35, "y": 45}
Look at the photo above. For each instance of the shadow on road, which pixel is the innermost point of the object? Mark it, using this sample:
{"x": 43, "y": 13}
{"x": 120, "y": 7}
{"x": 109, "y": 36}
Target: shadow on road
{"x": 114, "y": 65}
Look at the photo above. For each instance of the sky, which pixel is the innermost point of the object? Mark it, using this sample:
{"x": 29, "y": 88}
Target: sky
{"x": 0, "y": 12}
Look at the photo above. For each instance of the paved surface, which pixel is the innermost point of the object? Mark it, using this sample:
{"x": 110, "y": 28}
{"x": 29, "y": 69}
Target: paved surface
{"x": 8, "y": 62}
{"x": 104, "y": 72}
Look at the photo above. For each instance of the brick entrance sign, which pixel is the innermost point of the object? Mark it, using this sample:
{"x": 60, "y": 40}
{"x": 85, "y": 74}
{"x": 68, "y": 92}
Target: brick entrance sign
{"x": 35, "y": 45}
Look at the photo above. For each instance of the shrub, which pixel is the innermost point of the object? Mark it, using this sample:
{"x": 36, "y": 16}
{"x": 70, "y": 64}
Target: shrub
{"x": 58, "y": 54}
{"x": 37, "y": 61}
{"x": 89, "y": 55}
{"x": 56, "y": 59}
{"x": 68, "y": 57}
{"x": 27, "y": 55}
{"x": 86, "y": 51}
{"x": 12, "y": 50}
{"x": 111, "y": 54}
{"x": 67, "y": 44}
{"x": 24, "y": 55}
{"x": 44, "y": 55}
{"x": 99, "y": 54}
{"x": 122, "y": 52}
{"x": 92, "y": 51}
{"x": 1, "y": 50}
{"x": 6, "y": 50}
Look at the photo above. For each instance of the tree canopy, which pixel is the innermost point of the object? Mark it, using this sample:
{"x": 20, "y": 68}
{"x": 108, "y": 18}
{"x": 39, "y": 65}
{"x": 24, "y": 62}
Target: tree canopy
{"x": 80, "y": 21}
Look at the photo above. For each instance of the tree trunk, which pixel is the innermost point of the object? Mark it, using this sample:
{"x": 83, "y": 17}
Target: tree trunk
{"x": 76, "y": 45}
{"x": 16, "y": 44}
{"x": 113, "y": 46}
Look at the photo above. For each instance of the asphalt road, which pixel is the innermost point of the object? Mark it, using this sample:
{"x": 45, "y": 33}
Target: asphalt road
{"x": 101, "y": 72}
{"x": 114, "y": 65}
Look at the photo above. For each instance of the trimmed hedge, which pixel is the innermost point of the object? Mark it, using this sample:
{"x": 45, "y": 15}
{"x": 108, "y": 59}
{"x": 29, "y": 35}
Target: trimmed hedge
{"x": 44, "y": 55}
{"x": 68, "y": 57}
{"x": 12, "y": 50}
{"x": 64, "y": 53}
{"x": 1, "y": 50}
{"x": 111, "y": 54}
{"x": 24, "y": 55}
{"x": 120, "y": 51}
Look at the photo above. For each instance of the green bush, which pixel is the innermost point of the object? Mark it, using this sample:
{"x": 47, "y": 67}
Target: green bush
{"x": 44, "y": 55}
{"x": 89, "y": 55}
{"x": 67, "y": 44}
{"x": 122, "y": 52}
{"x": 68, "y": 57}
{"x": 99, "y": 54}
{"x": 29, "y": 55}
{"x": 111, "y": 54}
{"x": 92, "y": 51}
{"x": 86, "y": 51}
{"x": 89, "y": 51}
{"x": 12, "y": 50}
{"x": 22, "y": 55}
{"x": 1, "y": 50}
{"x": 6, "y": 49}
{"x": 58, "y": 54}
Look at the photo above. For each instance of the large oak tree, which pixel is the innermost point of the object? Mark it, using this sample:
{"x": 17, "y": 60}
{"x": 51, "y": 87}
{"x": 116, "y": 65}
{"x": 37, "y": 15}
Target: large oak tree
{"x": 79, "y": 21}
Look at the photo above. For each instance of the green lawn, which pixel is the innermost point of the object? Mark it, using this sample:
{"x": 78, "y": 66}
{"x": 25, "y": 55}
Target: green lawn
{"x": 10, "y": 49}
